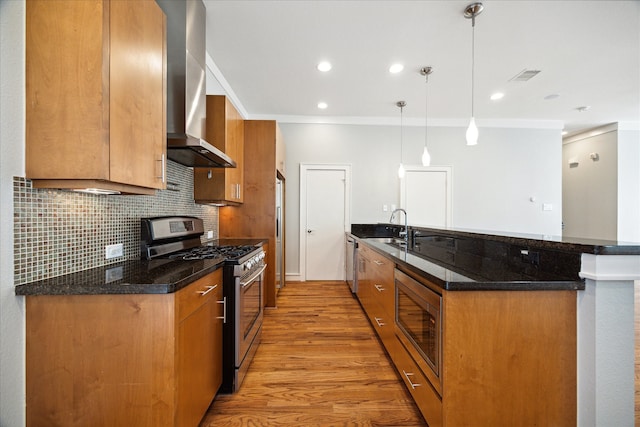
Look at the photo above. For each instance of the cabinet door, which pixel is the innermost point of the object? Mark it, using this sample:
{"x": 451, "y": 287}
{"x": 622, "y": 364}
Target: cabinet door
{"x": 199, "y": 348}
{"x": 364, "y": 278}
{"x": 225, "y": 131}
{"x": 137, "y": 113}
{"x": 66, "y": 91}
{"x": 280, "y": 152}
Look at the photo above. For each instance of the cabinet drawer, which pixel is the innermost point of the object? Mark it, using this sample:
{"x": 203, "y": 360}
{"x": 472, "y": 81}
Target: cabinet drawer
{"x": 383, "y": 290}
{"x": 423, "y": 394}
{"x": 383, "y": 324}
{"x": 199, "y": 292}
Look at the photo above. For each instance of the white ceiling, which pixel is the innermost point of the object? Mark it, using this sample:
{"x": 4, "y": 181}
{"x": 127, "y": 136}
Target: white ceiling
{"x": 265, "y": 53}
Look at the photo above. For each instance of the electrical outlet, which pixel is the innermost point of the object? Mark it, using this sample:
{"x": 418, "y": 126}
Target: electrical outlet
{"x": 210, "y": 234}
{"x": 113, "y": 251}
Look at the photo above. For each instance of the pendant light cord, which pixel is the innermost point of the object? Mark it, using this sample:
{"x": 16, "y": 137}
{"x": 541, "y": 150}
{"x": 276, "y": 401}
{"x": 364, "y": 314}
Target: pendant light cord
{"x": 426, "y": 104}
{"x": 473, "y": 60}
{"x": 401, "y": 145}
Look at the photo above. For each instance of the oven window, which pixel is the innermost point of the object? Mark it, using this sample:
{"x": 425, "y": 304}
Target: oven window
{"x": 251, "y": 299}
{"x": 419, "y": 320}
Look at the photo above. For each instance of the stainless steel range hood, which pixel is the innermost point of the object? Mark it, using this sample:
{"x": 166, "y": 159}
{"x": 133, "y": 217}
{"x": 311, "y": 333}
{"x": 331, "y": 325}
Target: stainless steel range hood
{"x": 186, "y": 86}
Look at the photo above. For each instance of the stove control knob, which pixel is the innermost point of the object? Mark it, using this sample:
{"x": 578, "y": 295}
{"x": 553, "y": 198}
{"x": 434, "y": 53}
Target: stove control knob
{"x": 248, "y": 265}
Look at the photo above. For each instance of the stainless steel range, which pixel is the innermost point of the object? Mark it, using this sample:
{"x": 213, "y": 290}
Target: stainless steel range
{"x": 243, "y": 284}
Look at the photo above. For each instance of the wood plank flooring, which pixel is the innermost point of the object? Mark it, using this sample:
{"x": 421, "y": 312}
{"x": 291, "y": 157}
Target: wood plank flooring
{"x": 319, "y": 364}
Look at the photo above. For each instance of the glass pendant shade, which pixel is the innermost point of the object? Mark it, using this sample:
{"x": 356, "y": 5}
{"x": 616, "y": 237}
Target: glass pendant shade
{"x": 426, "y": 157}
{"x": 473, "y": 10}
{"x": 472, "y": 132}
{"x": 401, "y": 171}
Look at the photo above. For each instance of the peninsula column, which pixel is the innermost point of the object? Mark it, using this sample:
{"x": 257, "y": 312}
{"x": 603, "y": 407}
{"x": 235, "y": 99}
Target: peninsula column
{"x": 606, "y": 340}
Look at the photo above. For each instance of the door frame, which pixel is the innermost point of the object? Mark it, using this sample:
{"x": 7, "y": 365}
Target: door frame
{"x": 448, "y": 170}
{"x": 304, "y": 169}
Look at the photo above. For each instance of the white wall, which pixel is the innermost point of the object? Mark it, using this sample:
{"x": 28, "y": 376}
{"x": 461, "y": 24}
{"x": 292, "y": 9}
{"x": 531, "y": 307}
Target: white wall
{"x": 628, "y": 185}
{"x": 601, "y": 199}
{"x": 590, "y": 194}
{"x": 12, "y": 343}
{"x": 493, "y": 182}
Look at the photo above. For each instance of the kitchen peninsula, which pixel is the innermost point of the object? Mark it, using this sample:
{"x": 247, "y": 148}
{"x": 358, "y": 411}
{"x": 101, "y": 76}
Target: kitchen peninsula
{"x": 563, "y": 305}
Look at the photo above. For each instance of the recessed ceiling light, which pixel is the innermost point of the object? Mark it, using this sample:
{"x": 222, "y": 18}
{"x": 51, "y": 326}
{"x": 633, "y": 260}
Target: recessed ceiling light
{"x": 324, "y": 66}
{"x": 552, "y": 96}
{"x": 322, "y": 105}
{"x": 583, "y": 109}
{"x": 396, "y": 68}
{"x": 497, "y": 95}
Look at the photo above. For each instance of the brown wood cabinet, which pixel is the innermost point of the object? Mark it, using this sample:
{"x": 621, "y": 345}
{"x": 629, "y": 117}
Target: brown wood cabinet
{"x": 224, "y": 130}
{"x": 96, "y": 95}
{"x": 256, "y": 217}
{"x": 109, "y": 360}
{"x": 508, "y": 357}
{"x": 377, "y": 292}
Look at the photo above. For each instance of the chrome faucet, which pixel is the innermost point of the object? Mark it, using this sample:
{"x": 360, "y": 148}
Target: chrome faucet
{"x": 404, "y": 233}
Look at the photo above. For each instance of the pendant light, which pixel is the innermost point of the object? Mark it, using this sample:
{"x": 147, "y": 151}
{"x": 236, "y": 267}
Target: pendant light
{"x": 426, "y": 157}
{"x": 473, "y": 10}
{"x": 401, "y": 104}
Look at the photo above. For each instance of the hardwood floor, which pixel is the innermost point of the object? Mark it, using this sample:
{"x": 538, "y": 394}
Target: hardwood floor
{"x": 319, "y": 364}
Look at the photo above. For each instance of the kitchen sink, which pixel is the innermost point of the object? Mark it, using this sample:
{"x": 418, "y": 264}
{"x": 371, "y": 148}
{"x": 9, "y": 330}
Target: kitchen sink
{"x": 396, "y": 241}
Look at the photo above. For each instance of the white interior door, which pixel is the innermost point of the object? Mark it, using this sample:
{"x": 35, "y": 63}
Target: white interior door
{"x": 324, "y": 202}
{"x": 425, "y": 193}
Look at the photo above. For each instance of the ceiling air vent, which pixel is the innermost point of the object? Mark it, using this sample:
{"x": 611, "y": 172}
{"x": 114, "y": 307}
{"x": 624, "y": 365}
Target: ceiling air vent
{"x": 524, "y": 75}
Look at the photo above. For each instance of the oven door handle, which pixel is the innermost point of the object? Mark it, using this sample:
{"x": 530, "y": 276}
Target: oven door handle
{"x": 252, "y": 278}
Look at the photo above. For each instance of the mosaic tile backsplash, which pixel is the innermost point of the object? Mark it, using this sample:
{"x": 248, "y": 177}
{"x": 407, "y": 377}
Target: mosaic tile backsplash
{"x": 59, "y": 232}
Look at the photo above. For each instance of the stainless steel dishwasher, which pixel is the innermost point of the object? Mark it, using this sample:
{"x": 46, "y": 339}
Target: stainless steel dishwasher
{"x": 352, "y": 272}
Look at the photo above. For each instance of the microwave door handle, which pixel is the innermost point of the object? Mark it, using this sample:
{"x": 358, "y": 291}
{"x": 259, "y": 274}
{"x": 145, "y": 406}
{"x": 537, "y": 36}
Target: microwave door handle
{"x": 252, "y": 278}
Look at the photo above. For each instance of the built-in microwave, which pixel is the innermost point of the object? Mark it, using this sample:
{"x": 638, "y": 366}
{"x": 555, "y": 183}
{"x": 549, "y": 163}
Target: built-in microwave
{"x": 418, "y": 317}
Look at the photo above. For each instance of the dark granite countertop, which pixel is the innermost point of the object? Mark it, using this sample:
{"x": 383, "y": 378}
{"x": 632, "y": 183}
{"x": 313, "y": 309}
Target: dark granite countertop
{"x": 156, "y": 276}
{"x": 450, "y": 279}
{"x": 458, "y": 260}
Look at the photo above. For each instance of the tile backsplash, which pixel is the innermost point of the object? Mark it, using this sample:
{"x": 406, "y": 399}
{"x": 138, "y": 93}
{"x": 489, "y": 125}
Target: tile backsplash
{"x": 59, "y": 232}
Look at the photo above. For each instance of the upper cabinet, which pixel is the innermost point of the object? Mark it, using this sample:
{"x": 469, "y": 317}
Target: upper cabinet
{"x": 96, "y": 95}
{"x": 280, "y": 152}
{"x": 225, "y": 131}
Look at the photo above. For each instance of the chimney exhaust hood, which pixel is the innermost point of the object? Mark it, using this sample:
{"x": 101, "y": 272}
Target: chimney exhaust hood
{"x": 186, "y": 86}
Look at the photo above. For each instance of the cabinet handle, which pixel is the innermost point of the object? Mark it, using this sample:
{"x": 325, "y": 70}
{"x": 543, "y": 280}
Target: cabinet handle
{"x": 378, "y": 262}
{"x": 224, "y": 310}
{"x": 209, "y": 289}
{"x": 379, "y": 321}
{"x": 164, "y": 169}
{"x": 411, "y": 383}
{"x": 379, "y": 287}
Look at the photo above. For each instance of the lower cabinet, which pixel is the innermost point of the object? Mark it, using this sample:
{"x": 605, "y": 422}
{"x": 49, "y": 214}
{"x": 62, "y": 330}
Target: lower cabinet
{"x": 507, "y": 357}
{"x": 376, "y": 292}
{"x": 111, "y": 360}
{"x": 426, "y": 398}
{"x": 199, "y": 363}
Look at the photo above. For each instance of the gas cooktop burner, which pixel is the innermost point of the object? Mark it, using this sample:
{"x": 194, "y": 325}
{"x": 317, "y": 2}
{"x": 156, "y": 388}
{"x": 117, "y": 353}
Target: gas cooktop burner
{"x": 207, "y": 252}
